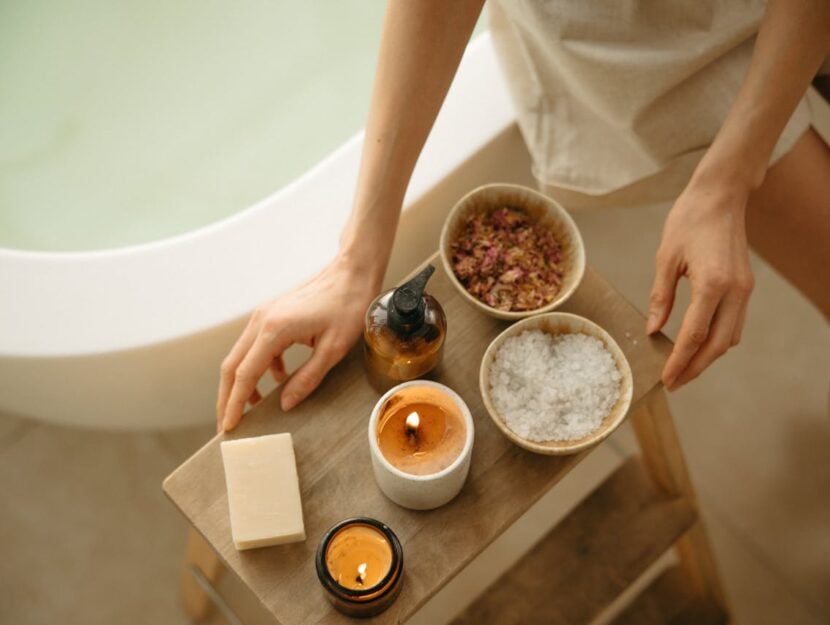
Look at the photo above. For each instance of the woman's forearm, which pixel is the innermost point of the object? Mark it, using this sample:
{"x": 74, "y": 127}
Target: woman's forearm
{"x": 421, "y": 46}
{"x": 704, "y": 236}
{"x": 793, "y": 40}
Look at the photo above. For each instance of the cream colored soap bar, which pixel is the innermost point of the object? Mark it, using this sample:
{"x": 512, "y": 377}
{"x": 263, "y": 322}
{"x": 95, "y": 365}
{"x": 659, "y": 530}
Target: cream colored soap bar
{"x": 263, "y": 491}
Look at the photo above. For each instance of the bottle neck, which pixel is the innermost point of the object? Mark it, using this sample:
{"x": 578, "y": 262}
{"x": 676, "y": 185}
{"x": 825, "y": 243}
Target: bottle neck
{"x": 407, "y": 305}
{"x": 408, "y": 321}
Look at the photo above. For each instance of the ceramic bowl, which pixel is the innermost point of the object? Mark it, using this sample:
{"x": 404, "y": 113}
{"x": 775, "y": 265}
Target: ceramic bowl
{"x": 560, "y": 323}
{"x": 539, "y": 207}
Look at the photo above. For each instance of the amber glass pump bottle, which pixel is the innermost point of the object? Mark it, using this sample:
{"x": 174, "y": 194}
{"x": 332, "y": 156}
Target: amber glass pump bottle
{"x": 404, "y": 333}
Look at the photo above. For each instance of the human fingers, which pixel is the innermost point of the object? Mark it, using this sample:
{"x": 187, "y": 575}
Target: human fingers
{"x": 663, "y": 289}
{"x": 745, "y": 288}
{"x": 718, "y": 342}
{"x": 228, "y": 368}
{"x": 268, "y": 344}
{"x": 694, "y": 329}
{"x": 255, "y": 397}
{"x": 278, "y": 370}
{"x": 326, "y": 354}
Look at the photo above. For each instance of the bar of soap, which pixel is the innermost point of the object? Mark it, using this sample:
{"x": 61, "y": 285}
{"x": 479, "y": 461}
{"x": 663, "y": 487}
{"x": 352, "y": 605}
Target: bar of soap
{"x": 263, "y": 491}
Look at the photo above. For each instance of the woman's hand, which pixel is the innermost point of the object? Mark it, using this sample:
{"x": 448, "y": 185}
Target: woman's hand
{"x": 420, "y": 49}
{"x": 704, "y": 239}
{"x": 326, "y": 313}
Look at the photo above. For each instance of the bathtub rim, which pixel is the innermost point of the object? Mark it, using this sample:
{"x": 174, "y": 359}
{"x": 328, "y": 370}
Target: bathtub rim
{"x": 444, "y": 152}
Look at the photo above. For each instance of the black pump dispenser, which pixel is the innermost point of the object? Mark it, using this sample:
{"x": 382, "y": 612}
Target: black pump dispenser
{"x": 406, "y": 306}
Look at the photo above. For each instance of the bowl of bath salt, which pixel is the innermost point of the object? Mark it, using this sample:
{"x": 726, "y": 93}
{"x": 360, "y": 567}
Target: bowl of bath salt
{"x": 555, "y": 383}
{"x": 512, "y": 252}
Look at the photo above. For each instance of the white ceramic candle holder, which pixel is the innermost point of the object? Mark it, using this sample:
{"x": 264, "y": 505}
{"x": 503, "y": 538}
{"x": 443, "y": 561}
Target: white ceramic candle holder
{"x": 421, "y": 492}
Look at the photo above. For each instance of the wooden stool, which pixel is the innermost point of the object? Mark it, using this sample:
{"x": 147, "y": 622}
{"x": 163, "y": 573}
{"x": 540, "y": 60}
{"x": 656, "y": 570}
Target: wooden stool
{"x": 201, "y": 565}
{"x": 644, "y": 508}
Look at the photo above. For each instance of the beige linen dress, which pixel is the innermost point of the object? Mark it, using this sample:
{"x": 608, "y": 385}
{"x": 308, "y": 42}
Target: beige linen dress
{"x": 617, "y": 100}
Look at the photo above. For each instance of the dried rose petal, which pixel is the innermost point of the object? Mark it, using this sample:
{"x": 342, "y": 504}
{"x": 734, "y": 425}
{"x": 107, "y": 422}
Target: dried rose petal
{"x": 507, "y": 260}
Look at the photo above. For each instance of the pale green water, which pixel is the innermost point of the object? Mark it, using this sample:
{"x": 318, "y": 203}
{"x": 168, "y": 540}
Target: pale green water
{"x": 125, "y": 122}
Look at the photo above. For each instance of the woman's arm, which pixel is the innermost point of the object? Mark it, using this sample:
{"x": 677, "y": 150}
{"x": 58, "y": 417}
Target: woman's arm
{"x": 420, "y": 49}
{"x": 792, "y": 42}
{"x": 421, "y": 46}
{"x": 704, "y": 236}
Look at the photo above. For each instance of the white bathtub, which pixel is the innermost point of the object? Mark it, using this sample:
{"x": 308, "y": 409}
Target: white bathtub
{"x": 133, "y": 337}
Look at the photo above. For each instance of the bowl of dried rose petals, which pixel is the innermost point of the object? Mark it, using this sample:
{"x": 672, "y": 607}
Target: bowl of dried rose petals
{"x": 511, "y": 251}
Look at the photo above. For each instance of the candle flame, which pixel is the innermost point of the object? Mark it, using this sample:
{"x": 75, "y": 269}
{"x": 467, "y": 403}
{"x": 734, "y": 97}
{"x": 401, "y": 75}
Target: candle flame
{"x": 413, "y": 421}
{"x": 361, "y": 572}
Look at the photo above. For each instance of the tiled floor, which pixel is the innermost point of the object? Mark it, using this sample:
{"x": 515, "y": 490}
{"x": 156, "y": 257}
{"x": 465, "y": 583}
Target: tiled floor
{"x": 89, "y": 538}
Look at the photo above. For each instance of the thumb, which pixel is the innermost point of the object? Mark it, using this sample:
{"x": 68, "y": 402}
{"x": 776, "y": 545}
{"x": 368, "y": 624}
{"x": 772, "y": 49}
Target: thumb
{"x": 308, "y": 376}
{"x": 662, "y": 294}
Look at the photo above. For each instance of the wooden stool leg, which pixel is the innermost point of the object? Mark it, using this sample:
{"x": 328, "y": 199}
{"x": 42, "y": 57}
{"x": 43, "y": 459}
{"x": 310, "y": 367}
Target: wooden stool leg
{"x": 663, "y": 458}
{"x": 198, "y": 553}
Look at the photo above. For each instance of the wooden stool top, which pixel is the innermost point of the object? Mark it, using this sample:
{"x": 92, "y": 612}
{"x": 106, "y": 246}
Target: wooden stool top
{"x": 336, "y": 480}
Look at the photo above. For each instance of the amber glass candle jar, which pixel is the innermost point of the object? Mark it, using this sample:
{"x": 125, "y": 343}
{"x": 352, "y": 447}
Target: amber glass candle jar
{"x": 360, "y": 565}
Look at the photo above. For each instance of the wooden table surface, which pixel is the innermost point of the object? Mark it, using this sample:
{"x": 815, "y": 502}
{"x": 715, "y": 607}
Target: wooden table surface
{"x": 336, "y": 481}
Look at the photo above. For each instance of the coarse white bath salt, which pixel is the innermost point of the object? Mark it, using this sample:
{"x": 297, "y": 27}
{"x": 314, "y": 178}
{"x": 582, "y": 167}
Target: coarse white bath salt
{"x": 553, "y": 387}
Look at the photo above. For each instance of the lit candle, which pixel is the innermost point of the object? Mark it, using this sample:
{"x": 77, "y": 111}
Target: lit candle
{"x": 421, "y": 430}
{"x": 421, "y": 436}
{"x": 412, "y": 423}
{"x": 358, "y": 556}
{"x": 360, "y": 564}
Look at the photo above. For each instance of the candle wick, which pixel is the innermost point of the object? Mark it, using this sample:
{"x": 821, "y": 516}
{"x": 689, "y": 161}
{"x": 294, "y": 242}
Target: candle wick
{"x": 361, "y": 573}
{"x": 413, "y": 421}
